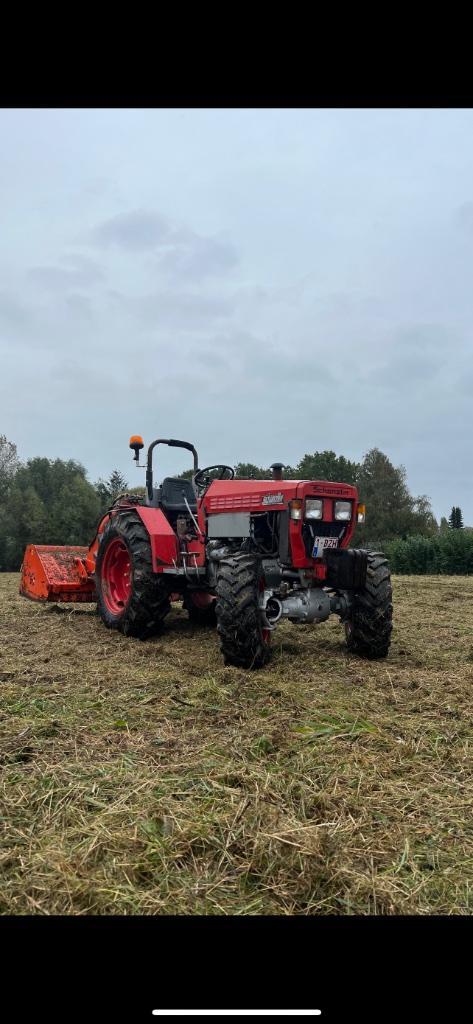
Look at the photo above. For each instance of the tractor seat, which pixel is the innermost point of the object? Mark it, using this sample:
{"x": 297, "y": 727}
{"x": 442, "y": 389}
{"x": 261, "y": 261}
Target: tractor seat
{"x": 172, "y": 492}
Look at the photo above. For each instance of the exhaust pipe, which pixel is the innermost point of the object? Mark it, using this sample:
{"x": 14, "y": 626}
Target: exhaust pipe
{"x": 273, "y": 610}
{"x": 305, "y": 605}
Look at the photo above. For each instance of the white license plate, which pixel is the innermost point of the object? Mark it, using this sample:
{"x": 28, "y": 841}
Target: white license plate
{"x": 322, "y": 543}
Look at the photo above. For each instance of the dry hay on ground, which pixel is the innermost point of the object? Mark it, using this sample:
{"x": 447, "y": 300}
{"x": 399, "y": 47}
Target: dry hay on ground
{"x": 148, "y": 778}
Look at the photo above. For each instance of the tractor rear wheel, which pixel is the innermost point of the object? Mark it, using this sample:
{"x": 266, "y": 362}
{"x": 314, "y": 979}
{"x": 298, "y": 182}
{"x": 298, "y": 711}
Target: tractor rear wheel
{"x": 200, "y": 608}
{"x": 130, "y": 596}
{"x": 244, "y": 640}
{"x": 368, "y": 629}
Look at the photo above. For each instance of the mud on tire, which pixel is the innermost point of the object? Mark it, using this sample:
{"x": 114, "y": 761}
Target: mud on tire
{"x": 368, "y": 630}
{"x": 244, "y": 641}
{"x": 148, "y": 602}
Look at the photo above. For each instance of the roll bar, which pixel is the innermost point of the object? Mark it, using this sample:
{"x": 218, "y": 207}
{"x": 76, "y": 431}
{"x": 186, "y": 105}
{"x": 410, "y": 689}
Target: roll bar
{"x": 172, "y": 444}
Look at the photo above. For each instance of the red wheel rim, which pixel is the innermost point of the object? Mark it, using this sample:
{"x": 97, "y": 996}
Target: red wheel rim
{"x": 116, "y": 576}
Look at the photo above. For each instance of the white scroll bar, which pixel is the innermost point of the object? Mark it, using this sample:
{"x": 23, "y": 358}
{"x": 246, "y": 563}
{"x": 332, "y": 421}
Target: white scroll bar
{"x": 237, "y": 1013}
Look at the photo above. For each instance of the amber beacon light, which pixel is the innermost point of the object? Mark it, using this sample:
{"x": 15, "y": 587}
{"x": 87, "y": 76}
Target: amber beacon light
{"x": 136, "y": 444}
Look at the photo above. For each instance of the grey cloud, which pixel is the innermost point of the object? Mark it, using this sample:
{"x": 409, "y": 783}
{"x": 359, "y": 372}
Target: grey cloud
{"x": 136, "y": 230}
{"x": 181, "y": 253}
{"x": 186, "y": 310}
{"x": 253, "y": 297}
{"x": 197, "y": 258}
{"x": 213, "y": 359}
{"x": 81, "y": 272}
{"x": 416, "y": 355}
{"x": 74, "y": 379}
{"x": 97, "y": 187}
{"x": 79, "y": 306}
{"x": 463, "y": 384}
{"x": 463, "y": 217}
{"x": 405, "y": 370}
{"x": 13, "y": 312}
{"x": 284, "y": 369}
{"x": 188, "y": 382}
{"x": 425, "y": 337}
{"x": 304, "y": 373}
{"x": 249, "y": 361}
{"x": 336, "y": 312}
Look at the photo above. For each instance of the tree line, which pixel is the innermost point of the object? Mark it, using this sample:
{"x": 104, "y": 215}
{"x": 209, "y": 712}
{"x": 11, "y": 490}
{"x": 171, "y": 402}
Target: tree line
{"x": 392, "y": 511}
{"x": 449, "y": 552}
{"x": 48, "y": 501}
{"x": 51, "y": 501}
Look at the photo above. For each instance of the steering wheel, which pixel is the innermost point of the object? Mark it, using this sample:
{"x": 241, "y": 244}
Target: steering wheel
{"x": 202, "y": 479}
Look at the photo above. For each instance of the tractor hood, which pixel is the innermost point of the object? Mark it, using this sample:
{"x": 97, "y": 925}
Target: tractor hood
{"x": 261, "y": 495}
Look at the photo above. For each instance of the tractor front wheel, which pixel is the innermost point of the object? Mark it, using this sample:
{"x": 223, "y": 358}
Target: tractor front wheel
{"x": 368, "y": 629}
{"x": 244, "y": 640}
{"x": 130, "y": 596}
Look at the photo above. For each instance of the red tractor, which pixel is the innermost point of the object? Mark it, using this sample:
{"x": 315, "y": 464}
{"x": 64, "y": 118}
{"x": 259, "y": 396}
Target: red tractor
{"x": 242, "y": 553}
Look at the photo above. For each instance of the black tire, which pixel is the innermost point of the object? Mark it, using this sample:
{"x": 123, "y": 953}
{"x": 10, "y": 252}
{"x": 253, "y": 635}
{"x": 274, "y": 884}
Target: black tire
{"x": 201, "y": 616}
{"x": 243, "y": 639}
{"x": 368, "y": 630}
{"x": 148, "y": 604}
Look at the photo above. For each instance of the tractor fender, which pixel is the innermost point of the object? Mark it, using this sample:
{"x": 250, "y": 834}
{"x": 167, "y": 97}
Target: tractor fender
{"x": 164, "y": 549}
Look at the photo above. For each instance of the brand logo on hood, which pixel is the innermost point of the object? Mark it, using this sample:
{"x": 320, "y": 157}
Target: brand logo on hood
{"x": 273, "y": 499}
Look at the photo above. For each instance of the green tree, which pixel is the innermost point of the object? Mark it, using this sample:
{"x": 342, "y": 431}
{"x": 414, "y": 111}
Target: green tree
{"x": 327, "y": 465}
{"x": 117, "y": 483}
{"x": 8, "y": 464}
{"x": 25, "y": 522}
{"x": 423, "y": 519}
{"x": 248, "y": 471}
{"x": 391, "y": 511}
{"x": 108, "y": 490}
{"x": 74, "y": 512}
{"x": 455, "y": 520}
{"x": 444, "y": 527}
{"x": 450, "y": 552}
{"x": 245, "y": 471}
{"x": 49, "y": 502}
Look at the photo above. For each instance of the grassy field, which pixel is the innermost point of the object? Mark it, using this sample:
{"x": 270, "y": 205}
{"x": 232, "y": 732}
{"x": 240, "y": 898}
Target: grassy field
{"x": 148, "y": 778}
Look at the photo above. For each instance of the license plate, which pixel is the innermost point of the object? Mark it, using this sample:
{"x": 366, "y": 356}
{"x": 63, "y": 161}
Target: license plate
{"x": 322, "y": 543}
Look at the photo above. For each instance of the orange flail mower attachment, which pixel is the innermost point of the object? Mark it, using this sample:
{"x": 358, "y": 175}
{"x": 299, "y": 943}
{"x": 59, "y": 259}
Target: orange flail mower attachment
{"x": 51, "y": 573}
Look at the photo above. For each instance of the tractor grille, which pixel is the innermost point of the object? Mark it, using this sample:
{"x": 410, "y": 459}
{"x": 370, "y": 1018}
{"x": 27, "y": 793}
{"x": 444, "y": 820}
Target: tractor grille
{"x": 320, "y": 529}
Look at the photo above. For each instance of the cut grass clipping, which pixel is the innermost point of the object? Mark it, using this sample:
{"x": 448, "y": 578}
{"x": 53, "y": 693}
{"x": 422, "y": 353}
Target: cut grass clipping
{"x": 147, "y": 778}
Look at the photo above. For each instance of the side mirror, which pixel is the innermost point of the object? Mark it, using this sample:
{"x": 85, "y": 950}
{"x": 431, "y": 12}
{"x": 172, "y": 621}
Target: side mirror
{"x": 136, "y": 444}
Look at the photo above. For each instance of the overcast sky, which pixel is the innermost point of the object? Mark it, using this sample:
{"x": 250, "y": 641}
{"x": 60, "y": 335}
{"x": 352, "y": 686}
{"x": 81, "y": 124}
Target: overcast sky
{"x": 264, "y": 283}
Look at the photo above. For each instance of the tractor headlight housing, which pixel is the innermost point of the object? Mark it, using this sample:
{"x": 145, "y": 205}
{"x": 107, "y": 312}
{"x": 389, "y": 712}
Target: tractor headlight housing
{"x": 313, "y": 508}
{"x": 295, "y": 508}
{"x": 343, "y": 510}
